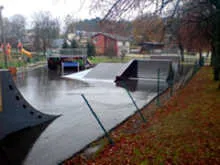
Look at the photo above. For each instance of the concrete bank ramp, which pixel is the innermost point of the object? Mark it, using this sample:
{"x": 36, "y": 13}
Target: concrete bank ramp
{"x": 135, "y": 69}
{"x": 146, "y": 69}
{"x": 15, "y": 112}
{"x": 105, "y": 71}
{"x": 174, "y": 58}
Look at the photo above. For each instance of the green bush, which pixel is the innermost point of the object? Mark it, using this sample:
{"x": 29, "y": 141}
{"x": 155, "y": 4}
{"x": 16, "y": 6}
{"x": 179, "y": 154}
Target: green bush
{"x": 90, "y": 49}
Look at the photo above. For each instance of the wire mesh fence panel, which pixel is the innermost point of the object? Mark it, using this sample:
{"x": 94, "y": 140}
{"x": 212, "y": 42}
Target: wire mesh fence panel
{"x": 188, "y": 69}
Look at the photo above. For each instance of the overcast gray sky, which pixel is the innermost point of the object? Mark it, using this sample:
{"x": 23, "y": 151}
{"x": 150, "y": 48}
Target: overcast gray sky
{"x": 58, "y": 8}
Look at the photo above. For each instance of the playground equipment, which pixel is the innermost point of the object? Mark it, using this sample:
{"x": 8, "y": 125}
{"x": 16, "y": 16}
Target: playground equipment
{"x": 23, "y": 51}
{"x": 15, "y": 112}
{"x": 27, "y": 53}
{"x": 8, "y": 50}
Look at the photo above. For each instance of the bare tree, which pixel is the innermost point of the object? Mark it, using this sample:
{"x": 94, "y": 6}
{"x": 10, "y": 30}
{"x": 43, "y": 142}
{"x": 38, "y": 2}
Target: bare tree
{"x": 196, "y": 29}
{"x": 122, "y": 27}
{"x": 70, "y": 24}
{"x": 7, "y": 28}
{"x": 173, "y": 27}
{"x": 14, "y": 29}
{"x": 18, "y": 23}
{"x": 114, "y": 9}
{"x": 148, "y": 28}
{"x": 46, "y": 28}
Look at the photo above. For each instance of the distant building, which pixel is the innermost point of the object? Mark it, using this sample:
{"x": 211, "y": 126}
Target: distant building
{"x": 57, "y": 43}
{"x": 71, "y": 36}
{"x": 28, "y": 40}
{"x": 151, "y": 47}
{"x": 105, "y": 42}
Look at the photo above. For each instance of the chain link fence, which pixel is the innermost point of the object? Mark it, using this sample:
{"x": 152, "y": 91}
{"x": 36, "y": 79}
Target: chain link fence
{"x": 144, "y": 97}
{"x": 186, "y": 71}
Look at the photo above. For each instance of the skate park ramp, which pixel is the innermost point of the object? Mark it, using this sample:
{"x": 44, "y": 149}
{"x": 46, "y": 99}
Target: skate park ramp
{"x": 15, "y": 112}
{"x": 135, "y": 69}
{"x": 146, "y": 69}
{"x": 105, "y": 71}
{"x": 174, "y": 58}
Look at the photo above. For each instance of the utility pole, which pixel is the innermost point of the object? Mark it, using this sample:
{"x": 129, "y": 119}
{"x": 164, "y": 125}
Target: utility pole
{"x": 3, "y": 37}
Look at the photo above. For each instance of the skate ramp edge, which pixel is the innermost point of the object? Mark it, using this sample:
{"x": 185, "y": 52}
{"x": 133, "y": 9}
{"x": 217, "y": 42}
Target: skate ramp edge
{"x": 173, "y": 58}
{"x": 146, "y": 69}
{"x": 15, "y": 112}
{"x": 104, "y": 71}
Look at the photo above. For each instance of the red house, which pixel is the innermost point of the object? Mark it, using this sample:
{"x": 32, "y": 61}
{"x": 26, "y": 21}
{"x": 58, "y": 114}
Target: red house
{"x": 106, "y": 43}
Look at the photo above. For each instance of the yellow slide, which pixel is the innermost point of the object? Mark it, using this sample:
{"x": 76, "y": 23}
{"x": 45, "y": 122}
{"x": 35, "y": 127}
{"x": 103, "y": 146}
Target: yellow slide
{"x": 27, "y": 53}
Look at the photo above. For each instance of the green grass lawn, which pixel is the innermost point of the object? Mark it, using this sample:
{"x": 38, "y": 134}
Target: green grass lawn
{"x": 105, "y": 59}
{"x": 18, "y": 60}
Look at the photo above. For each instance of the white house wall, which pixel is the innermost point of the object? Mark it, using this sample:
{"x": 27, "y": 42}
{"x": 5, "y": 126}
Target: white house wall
{"x": 123, "y": 45}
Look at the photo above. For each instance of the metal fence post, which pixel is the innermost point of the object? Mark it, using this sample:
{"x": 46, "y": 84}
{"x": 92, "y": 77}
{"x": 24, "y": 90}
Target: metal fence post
{"x": 133, "y": 101}
{"x": 77, "y": 66}
{"x": 158, "y": 87}
{"x": 171, "y": 89}
{"x": 97, "y": 119}
{"x": 171, "y": 86}
{"x": 62, "y": 68}
{"x": 196, "y": 67}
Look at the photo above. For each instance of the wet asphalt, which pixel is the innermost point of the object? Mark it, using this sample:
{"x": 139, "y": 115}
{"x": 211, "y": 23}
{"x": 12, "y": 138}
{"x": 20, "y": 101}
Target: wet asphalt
{"x": 76, "y": 128}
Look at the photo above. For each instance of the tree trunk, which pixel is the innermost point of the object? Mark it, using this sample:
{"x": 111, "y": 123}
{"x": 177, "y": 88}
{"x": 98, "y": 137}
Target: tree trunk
{"x": 207, "y": 55}
{"x": 213, "y": 54}
{"x": 200, "y": 58}
{"x": 44, "y": 48}
{"x": 181, "y": 52}
{"x": 216, "y": 59}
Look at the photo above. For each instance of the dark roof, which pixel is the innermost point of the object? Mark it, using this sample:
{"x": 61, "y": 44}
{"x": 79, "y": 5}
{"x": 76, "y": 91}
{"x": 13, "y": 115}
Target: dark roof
{"x": 112, "y": 36}
{"x": 151, "y": 45}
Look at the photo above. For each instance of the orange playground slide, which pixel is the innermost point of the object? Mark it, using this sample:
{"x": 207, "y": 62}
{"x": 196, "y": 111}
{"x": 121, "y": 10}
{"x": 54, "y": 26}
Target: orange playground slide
{"x": 27, "y": 53}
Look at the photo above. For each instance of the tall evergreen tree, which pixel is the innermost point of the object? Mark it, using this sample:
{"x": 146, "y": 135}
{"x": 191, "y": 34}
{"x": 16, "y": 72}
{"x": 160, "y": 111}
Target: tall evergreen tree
{"x": 74, "y": 44}
{"x": 91, "y": 49}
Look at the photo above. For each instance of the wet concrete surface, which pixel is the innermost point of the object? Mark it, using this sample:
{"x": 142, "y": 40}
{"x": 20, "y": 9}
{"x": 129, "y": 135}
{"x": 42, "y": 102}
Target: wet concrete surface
{"x": 105, "y": 71}
{"x": 52, "y": 143}
{"x": 76, "y": 128}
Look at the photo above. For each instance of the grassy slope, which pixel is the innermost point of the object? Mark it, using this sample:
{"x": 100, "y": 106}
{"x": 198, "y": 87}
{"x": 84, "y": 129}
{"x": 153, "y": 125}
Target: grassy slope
{"x": 186, "y": 130}
{"x": 105, "y": 59}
